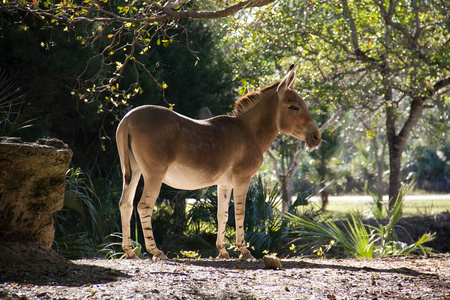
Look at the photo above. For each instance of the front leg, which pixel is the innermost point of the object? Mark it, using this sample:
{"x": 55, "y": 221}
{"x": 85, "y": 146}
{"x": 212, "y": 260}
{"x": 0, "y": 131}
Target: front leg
{"x": 240, "y": 195}
{"x": 223, "y": 200}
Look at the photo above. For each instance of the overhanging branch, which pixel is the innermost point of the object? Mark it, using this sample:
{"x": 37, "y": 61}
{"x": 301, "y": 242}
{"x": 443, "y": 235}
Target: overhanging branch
{"x": 232, "y": 9}
{"x": 155, "y": 12}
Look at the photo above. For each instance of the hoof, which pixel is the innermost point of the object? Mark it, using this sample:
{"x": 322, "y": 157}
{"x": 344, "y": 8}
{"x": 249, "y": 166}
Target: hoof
{"x": 162, "y": 256}
{"x": 223, "y": 256}
{"x": 246, "y": 256}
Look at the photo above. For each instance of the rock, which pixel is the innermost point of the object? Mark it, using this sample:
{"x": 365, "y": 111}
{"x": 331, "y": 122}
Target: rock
{"x": 272, "y": 262}
{"x": 32, "y": 183}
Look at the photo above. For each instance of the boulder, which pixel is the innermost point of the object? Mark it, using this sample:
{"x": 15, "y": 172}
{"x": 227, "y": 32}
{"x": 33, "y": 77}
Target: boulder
{"x": 32, "y": 183}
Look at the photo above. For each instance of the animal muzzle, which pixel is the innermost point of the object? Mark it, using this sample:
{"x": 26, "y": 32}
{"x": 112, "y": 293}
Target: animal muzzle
{"x": 313, "y": 138}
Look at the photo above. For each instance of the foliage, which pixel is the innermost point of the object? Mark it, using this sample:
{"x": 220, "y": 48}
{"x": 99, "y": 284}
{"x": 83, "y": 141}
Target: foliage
{"x": 430, "y": 167}
{"x": 202, "y": 213}
{"x": 47, "y": 64}
{"x": 82, "y": 226}
{"x": 395, "y": 52}
{"x": 263, "y": 223}
{"x": 200, "y": 247}
{"x": 113, "y": 250}
{"x": 124, "y": 32}
{"x": 11, "y": 99}
{"x": 85, "y": 219}
{"x": 324, "y": 166}
{"x": 190, "y": 254}
{"x": 264, "y": 229}
{"x": 121, "y": 61}
{"x": 353, "y": 236}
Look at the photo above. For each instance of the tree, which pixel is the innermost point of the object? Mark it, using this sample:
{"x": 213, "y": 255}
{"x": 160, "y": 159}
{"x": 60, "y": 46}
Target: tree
{"x": 413, "y": 64}
{"x": 193, "y": 67}
{"x": 384, "y": 58}
{"x": 125, "y": 32}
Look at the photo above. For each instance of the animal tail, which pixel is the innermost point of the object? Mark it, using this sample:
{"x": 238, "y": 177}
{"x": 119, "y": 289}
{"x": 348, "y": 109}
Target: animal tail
{"x": 124, "y": 147}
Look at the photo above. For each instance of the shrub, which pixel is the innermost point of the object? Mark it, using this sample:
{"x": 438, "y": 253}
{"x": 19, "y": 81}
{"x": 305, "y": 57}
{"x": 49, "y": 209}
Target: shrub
{"x": 352, "y": 237}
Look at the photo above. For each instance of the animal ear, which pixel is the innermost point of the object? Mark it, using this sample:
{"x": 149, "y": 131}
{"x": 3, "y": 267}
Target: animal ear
{"x": 288, "y": 81}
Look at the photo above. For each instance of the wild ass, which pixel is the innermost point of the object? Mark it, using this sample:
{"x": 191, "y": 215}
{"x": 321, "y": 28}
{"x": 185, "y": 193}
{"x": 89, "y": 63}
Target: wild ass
{"x": 166, "y": 147}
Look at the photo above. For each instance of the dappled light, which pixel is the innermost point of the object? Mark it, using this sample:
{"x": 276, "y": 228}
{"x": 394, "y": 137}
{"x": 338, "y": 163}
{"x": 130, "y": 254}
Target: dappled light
{"x": 329, "y": 120}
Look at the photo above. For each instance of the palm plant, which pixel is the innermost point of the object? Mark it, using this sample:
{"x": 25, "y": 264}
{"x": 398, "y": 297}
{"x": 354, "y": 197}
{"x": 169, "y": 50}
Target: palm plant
{"x": 263, "y": 221}
{"x": 352, "y": 237}
{"x": 202, "y": 211}
{"x": 202, "y": 223}
{"x": 113, "y": 250}
{"x": 11, "y": 99}
{"x": 78, "y": 227}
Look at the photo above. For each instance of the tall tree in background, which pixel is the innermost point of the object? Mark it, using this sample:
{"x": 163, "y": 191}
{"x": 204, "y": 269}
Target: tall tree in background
{"x": 383, "y": 58}
{"x": 410, "y": 57}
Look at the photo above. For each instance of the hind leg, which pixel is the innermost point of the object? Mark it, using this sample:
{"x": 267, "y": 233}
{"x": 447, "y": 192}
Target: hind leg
{"x": 223, "y": 200}
{"x": 152, "y": 187}
{"x": 126, "y": 209}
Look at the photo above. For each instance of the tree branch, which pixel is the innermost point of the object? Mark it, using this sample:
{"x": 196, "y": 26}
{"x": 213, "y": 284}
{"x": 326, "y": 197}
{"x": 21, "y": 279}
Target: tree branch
{"x": 73, "y": 14}
{"x": 354, "y": 35}
{"x": 218, "y": 13}
{"x": 387, "y": 16}
{"x": 274, "y": 163}
{"x": 439, "y": 85}
{"x": 175, "y": 4}
{"x": 351, "y": 23}
{"x": 414, "y": 115}
{"x": 416, "y": 20}
{"x": 417, "y": 106}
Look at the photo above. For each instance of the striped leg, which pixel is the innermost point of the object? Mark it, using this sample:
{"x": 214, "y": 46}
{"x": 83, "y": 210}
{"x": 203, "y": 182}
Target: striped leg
{"x": 151, "y": 191}
{"x": 223, "y": 200}
{"x": 240, "y": 195}
{"x": 126, "y": 210}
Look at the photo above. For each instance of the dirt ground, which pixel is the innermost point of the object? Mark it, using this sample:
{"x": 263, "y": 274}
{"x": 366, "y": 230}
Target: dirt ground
{"x": 411, "y": 277}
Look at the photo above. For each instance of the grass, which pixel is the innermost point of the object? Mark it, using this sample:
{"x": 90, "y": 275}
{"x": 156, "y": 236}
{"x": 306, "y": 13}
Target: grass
{"x": 412, "y": 206}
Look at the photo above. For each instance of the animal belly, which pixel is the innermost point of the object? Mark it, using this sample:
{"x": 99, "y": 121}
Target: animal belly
{"x": 186, "y": 178}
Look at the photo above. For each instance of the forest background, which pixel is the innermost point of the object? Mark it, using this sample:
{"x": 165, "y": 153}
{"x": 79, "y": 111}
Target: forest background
{"x": 376, "y": 76}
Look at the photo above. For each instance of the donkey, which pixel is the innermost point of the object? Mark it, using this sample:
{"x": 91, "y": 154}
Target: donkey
{"x": 166, "y": 147}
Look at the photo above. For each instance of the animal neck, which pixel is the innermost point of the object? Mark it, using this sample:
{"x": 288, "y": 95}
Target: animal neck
{"x": 261, "y": 120}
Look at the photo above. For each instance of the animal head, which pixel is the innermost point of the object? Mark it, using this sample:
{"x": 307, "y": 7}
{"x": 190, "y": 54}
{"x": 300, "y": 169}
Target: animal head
{"x": 293, "y": 116}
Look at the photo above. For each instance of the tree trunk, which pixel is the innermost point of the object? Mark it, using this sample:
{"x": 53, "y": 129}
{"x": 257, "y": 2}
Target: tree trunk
{"x": 397, "y": 142}
{"x": 379, "y": 162}
{"x": 285, "y": 195}
{"x": 395, "y": 159}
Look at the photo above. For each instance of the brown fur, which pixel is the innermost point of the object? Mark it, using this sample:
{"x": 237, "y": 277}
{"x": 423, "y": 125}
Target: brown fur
{"x": 164, "y": 146}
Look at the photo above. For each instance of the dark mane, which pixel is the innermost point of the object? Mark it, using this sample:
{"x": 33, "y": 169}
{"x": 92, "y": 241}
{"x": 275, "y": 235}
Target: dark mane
{"x": 251, "y": 99}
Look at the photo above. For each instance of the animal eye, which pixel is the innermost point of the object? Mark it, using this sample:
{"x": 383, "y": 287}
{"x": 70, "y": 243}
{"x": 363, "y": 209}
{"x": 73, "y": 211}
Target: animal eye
{"x": 293, "y": 107}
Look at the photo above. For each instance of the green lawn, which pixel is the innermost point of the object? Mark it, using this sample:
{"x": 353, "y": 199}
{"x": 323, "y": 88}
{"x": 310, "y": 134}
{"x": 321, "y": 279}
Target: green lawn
{"x": 413, "y": 205}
